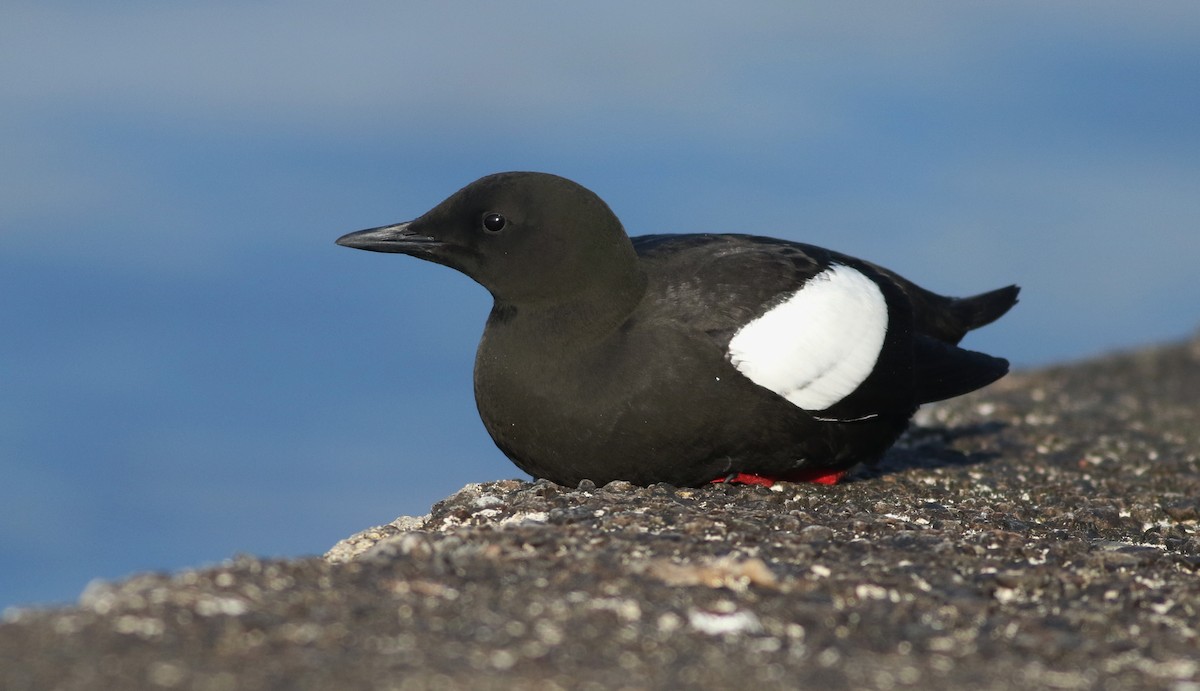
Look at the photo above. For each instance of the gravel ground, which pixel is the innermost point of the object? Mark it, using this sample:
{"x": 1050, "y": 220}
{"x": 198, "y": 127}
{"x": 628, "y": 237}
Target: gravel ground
{"x": 1040, "y": 534}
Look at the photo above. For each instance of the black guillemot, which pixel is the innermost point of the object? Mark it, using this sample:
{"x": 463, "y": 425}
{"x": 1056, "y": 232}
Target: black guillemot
{"x": 686, "y": 359}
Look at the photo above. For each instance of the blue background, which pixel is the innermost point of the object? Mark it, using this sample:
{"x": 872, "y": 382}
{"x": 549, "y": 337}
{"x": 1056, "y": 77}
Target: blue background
{"x": 189, "y": 368}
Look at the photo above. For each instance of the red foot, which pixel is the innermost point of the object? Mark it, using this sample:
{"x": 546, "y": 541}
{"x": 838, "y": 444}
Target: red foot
{"x": 818, "y": 476}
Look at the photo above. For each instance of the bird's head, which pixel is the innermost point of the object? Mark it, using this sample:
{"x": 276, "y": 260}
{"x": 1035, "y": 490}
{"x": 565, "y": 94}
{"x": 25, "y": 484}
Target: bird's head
{"x": 526, "y": 237}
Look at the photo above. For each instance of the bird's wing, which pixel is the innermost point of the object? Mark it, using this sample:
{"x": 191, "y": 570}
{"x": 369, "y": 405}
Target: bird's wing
{"x": 719, "y": 282}
{"x": 803, "y": 322}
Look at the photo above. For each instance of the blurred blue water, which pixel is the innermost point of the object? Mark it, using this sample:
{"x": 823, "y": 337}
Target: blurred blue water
{"x": 189, "y": 368}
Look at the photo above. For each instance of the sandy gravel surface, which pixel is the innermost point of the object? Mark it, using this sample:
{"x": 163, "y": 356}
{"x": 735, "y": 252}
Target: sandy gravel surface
{"x": 1040, "y": 534}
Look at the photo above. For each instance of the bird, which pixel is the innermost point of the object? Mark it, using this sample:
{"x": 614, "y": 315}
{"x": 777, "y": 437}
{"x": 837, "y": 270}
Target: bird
{"x": 686, "y": 359}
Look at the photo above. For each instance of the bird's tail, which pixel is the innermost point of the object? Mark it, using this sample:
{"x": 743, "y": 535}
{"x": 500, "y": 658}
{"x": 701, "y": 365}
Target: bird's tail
{"x": 983, "y": 309}
{"x": 949, "y": 319}
{"x": 945, "y": 371}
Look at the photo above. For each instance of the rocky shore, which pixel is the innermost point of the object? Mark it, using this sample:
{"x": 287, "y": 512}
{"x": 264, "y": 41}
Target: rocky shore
{"x": 1043, "y": 533}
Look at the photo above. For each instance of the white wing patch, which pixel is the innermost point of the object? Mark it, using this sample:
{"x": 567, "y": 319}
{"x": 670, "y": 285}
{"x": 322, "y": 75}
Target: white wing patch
{"x": 816, "y": 347}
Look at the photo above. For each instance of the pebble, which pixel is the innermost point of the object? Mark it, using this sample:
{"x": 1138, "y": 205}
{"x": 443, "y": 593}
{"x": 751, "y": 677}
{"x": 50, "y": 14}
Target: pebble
{"x": 1042, "y": 533}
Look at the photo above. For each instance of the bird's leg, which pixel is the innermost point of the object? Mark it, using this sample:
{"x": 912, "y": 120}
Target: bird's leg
{"x": 819, "y": 476}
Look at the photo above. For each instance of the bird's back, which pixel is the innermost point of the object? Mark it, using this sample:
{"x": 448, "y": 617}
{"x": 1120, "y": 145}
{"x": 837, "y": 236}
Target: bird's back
{"x": 720, "y": 282}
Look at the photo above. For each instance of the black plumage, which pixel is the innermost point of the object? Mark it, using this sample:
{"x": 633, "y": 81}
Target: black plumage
{"x": 609, "y": 358}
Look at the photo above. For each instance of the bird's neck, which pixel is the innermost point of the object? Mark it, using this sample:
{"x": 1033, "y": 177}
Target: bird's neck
{"x": 585, "y": 313}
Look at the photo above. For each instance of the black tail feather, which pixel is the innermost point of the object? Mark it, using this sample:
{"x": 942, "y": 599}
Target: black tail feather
{"x": 985, "y": 308}
{"x": 945, "y": 371}
{"x": 949, "y": 319}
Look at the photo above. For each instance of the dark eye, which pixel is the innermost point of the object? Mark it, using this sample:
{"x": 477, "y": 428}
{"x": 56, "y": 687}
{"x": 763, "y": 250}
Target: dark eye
{"x": 494, "y": 222}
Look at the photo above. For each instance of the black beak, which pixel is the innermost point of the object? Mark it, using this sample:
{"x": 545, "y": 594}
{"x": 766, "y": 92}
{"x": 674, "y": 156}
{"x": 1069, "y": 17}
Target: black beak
{"x": 397, "y": 238}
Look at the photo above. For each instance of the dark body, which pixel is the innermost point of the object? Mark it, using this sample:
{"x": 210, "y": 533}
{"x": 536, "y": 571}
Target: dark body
{"x": 599, "y": 408}
{"x": 607, "y": 358}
